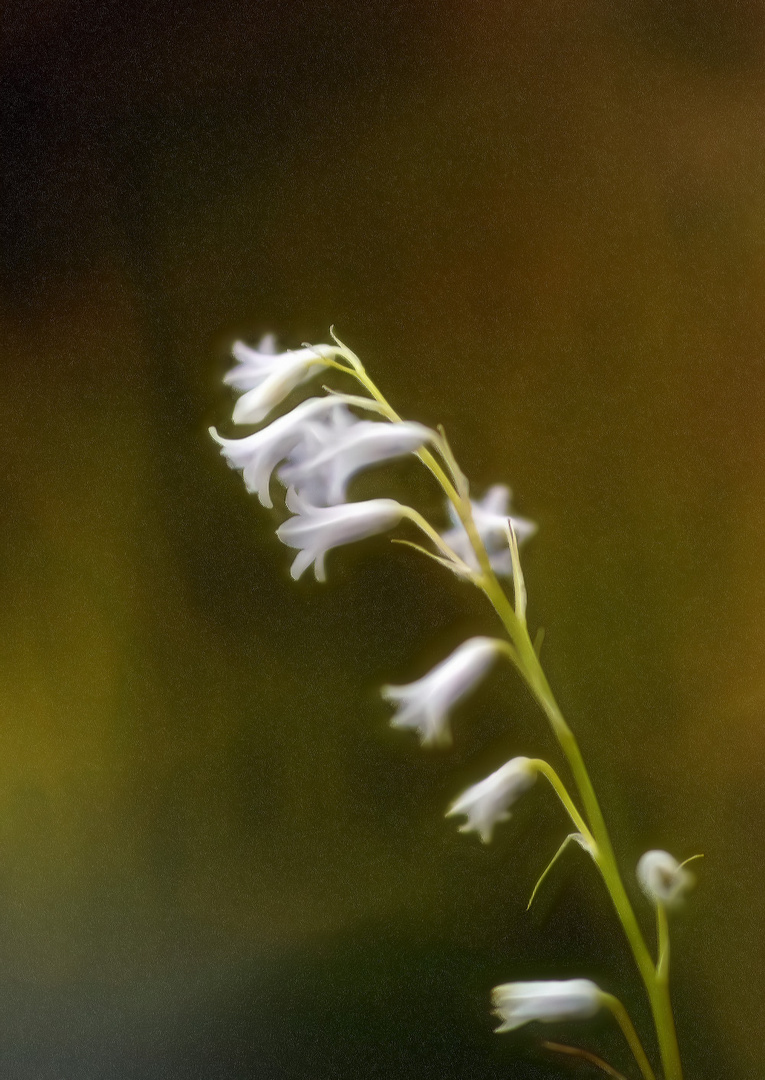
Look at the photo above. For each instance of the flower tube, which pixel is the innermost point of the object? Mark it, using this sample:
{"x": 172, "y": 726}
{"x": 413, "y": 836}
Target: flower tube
{"x": 267, "y": 378}
{"x": 424, "y": 705}
{"x": 315, "y": 530}
{"x": 487, "y": 803}
{"x": 323, "y": 478}
{"x": 258, "y": 455}
{"x": 516, "y": 1004}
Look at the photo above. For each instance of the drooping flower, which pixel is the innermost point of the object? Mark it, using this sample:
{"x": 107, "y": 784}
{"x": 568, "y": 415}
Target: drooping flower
{"x": 267, "y": 378}
{"x": 323, "y": 477}
{"x": 487, "y": 803}
{"x": 424, "y": 705}
{"x": 516, "y": 1004}
{"x": 315, "y": 530}
{"x": 258, "y": 455}
{"x": 490, "y": 515}
{"x": 663, "y": 879}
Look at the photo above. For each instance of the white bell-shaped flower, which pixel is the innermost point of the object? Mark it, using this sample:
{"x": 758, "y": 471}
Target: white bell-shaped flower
{"x": 424, "y": 705}
{"x": 267, "y": 378}
{"x": 258, "y": 455}
{"x": 663, "y": 879}
{"x": 490, "y": 515}
{"x": 487, "y": 803}
{"x": 516, "y": 1004}
{"x": 318, "y": 529}
{"x": 323, "y": 477}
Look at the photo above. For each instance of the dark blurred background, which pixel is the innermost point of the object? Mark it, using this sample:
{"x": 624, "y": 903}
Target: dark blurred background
{"x": 542, "y": 224}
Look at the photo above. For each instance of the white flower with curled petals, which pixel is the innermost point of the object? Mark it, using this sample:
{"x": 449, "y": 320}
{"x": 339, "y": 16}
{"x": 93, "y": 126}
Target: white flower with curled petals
{"x": 487, "y": 803}
{"x": 267, "y": 378}
{"x": 323, "y": 477}
{"x": 258, "y": 455}
{"x": 424, "y": 705}
{"x": 318, "y": 529}
{"x": 663, "y": 879}
{"x": 516, "y": 1004}
{"x": 490, "y": 515}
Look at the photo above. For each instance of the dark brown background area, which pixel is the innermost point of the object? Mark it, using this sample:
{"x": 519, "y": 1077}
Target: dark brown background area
{"x": 542, "y": 224}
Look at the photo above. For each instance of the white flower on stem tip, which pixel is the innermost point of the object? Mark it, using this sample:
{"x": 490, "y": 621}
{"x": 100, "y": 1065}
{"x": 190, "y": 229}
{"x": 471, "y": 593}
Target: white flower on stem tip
{"x": 317, "y": 529}
{"x": 663, "y": 879}
{"x": 490, "y": 515}
{"x": 516, "y": 1004}
{"x": 487, "y": 803}
{"x": 267, "y": 378}
{"x": 323, "y": 477}
{"x": 424, "y": 705}
{"x": 258, "y": 455}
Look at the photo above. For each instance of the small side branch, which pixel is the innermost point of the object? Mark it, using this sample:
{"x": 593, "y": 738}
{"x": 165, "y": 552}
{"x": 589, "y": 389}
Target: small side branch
{"x": 585, "y": 1055}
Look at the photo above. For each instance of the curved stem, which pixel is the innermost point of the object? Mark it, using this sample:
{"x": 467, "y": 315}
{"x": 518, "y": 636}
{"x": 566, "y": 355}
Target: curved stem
{"x": 622, "y": 1018}
{"x": 585, "y": 1055}
{"x": 662, "y": 933}
{"x": 451, "y": 556}
{"x": 560, "y": 790}
{"x": 358, "y": 372}
{"x": 665, "y": 1020}
{"x": 521, "y": 651}
{"x": 656, "y": 988}
{"x": 456, "y": 488}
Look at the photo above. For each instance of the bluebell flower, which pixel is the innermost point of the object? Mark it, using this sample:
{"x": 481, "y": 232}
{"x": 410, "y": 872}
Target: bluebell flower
{"x": 424, "y": 705}
{"x": 516, "y": 1004}
{"x": 315, "y": 530}
{"x": 487, "y": 803}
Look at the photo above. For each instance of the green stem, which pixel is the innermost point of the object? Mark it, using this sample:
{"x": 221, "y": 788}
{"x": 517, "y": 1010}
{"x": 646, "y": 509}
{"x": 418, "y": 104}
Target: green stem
{"x": 450, "y": 556}
{"x": 622, "y": 1018}
{"x": 664, "y": 1003}
{"x": 525, "y": 658}
{"x": 560, "y": 790}
{"x": 662, "y": 934}
{"x": 656, "y": 988}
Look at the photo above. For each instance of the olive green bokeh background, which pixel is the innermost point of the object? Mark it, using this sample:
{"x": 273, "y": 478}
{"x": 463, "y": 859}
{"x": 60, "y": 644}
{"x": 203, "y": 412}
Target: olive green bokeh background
{"x": 540, "y": 224}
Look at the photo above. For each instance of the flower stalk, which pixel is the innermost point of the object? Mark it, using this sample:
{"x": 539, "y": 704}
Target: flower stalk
{"x": 316, "y": 450}
{"x": 527, "y": 661}
{"x": 622, "y": 1018}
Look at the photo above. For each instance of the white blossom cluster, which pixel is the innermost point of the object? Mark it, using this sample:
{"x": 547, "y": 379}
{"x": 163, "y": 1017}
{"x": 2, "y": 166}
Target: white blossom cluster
{"x": 315, "y": 450}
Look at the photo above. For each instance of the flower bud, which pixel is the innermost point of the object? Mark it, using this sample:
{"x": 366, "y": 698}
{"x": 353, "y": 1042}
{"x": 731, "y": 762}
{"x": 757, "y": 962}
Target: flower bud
{"x": 663, "y": 879}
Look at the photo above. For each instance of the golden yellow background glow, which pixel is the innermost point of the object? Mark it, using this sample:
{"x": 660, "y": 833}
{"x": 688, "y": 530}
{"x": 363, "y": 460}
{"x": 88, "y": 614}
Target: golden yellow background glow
{"x": 542, "y": 224}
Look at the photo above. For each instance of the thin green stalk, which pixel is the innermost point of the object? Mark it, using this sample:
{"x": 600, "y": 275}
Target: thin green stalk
{"x": 560, "y": 790}
{"x": 664, "y": 1003}
{"x": 657, "y": 989}
{"x": 662, "y": 936}
{"x": 358, "y": 372}
{"x": 526, "y": 660}
{"x": 534, "y": 676}
{"x": 423, "y": 524}
{"x": 622, "y": 1018}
